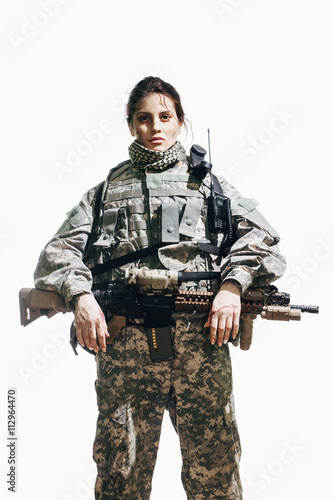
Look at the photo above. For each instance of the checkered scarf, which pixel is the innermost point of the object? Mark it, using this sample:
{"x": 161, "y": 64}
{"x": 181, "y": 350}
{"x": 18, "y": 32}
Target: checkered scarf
{"x": 155, "y": 160}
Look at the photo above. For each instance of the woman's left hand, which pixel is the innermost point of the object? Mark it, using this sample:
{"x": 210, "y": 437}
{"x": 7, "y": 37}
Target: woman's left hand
{"x": 224, "y": 314}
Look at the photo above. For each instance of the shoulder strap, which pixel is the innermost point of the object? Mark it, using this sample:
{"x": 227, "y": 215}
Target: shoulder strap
{"x": 126, "y": 259}
{"x": 117, "y": 170}
{"x": 96, "y": 218}
{"x": 229, "y": 232}
{"x": 216, "y": 184}
{"x": 98, "y": 202}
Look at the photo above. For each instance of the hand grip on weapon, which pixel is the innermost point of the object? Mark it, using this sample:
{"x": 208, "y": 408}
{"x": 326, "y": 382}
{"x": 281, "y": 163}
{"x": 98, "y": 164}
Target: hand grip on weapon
{"x": 224, "y": 315}
{"x": 90, "y": 323}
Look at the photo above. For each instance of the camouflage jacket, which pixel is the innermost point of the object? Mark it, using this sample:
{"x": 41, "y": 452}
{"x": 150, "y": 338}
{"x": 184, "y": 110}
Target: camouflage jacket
{"x": 131, "y": 217}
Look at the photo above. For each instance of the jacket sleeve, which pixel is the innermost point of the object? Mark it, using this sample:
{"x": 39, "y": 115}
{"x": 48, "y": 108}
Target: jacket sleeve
{"x": 254, "y": 259}
{"x": 60, "y": 266}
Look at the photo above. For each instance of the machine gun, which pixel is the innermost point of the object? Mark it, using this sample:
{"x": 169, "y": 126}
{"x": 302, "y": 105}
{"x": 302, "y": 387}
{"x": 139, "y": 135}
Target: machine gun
{"x": 148, "y": 297}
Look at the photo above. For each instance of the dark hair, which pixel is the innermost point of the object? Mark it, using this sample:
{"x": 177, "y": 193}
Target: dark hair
{"x": 153, "y": 84}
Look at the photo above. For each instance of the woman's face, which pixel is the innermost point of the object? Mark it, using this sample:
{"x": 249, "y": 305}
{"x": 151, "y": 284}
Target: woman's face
{"x": 155, "y": 124}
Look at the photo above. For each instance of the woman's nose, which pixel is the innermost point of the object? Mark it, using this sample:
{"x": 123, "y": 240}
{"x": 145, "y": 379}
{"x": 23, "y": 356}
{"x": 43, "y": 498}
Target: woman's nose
{"x": 156, "y": 125}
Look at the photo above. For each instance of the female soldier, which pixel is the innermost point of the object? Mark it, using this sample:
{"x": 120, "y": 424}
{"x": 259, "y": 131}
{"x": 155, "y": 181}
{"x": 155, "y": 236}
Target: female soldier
{"x": 153, "y": 201}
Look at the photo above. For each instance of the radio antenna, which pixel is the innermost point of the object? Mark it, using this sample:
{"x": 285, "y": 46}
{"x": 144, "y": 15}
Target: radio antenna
{"x": 210, "y": 161}
{"x": 208, "y": 132}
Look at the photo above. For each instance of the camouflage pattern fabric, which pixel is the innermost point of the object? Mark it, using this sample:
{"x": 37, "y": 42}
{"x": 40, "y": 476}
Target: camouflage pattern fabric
{"x": 132, "y": 394}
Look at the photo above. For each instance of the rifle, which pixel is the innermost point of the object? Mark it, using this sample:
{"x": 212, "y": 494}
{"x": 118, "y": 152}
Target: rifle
{"x": 152, "y": 295}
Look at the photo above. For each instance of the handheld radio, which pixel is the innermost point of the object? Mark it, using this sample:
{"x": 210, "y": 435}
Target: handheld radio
{"x": 219, "y": 211}
{"x": 198, "y": 167}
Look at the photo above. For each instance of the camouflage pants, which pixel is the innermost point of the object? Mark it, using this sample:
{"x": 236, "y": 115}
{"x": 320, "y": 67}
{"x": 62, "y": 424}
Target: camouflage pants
{"x": 132, "y": 394}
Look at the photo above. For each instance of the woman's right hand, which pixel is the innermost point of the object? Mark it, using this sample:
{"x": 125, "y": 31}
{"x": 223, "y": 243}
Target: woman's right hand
{"x": 90, "y": 323}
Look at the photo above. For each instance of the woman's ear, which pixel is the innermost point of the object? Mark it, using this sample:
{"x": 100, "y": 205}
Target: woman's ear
{"x": 180, "y": 126}
{"x": 131, "y": 129}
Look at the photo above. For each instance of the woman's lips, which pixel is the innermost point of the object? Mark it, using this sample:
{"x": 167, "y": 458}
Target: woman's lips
{"x": 157, "y": 139}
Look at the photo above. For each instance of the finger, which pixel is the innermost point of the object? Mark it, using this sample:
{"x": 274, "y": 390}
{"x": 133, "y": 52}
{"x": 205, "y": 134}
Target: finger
{"x": 221, "y": 329}
{"x": 213, "y": 329}
{"x": 228, "y": 328}
{"x": 209, "y": 319}
{"x": 101, "y": 340}
{"x": 93, "y": 339}
{"x": 102, "y": 333}
{"x": 79, "y": 335}
{"x": 235, "y": 326}
{"x": 87, "y": 336}
{"x": 101, "y": 330}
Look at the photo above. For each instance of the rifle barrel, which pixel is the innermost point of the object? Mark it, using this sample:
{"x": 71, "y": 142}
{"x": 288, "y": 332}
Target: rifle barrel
{"x": 306, "y": 309}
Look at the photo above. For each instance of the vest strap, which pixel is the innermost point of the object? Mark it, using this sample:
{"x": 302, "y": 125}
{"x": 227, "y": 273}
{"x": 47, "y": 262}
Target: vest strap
{"x": 129, "y": 193}
{"x": 126, "y": 259}
{"x": 170, "y": 222}
{"x": 160, "y": 193}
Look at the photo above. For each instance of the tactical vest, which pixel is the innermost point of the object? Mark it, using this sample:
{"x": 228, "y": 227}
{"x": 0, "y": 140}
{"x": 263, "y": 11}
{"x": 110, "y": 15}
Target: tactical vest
{"x": 141, "y": 209}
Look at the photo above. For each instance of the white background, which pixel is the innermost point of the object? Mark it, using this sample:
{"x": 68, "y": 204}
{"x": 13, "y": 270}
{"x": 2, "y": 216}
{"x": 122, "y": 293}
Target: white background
{"x": 68, "y": 66}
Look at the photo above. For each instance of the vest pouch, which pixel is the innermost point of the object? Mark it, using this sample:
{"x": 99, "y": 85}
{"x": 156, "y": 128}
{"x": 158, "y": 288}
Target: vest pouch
{"x": 169, "y": 222}
{"x": 114, "y": 227}
{"x": 180, "y": 256}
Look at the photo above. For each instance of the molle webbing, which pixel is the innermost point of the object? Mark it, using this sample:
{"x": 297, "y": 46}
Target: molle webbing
{"x": 158, "y": 193}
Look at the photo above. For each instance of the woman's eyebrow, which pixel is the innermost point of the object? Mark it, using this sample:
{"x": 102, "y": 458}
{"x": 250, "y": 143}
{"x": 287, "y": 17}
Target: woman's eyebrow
{"x": 147, "y": 113}
{"x": 142, "y": 112}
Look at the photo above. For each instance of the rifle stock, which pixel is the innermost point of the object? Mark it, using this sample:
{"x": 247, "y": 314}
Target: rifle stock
{"x": 35, "y": 303}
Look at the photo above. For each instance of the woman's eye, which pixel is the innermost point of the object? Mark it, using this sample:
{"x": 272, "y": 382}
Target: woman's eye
{"x": 143, "y": 118}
